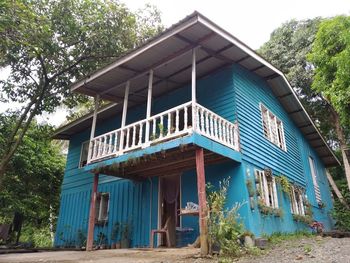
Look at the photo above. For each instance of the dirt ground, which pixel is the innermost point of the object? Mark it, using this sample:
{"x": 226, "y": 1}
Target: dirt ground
{"x": 328, "y": 250}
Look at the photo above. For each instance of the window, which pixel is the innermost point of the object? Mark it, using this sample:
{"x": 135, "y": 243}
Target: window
{"x": 84, "y": 154}
{"x": 273, "y": 128}
{"x": 297, "y": 202}
{"x": 314, "y": 180}
{"x": 267, "y": 188}
{"x": 102, "y": 207}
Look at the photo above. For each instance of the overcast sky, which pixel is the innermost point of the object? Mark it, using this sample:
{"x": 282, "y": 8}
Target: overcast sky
{"x": 251, "y": 21}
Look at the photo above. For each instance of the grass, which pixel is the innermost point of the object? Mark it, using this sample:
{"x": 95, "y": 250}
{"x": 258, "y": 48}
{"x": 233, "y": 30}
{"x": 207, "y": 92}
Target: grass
{"x": 278, "y": 237}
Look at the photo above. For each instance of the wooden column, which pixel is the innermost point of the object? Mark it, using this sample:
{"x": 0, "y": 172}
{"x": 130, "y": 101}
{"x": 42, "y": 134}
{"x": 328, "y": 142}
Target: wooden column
{"x": 149, "y": 104}
{"x": 193, "y": 88}
{"x": 93, "y": 126}
{"x": 90, "y": 235}
{"x": 203, "y": 212}
{"x": 125, "y": 110}
{"x": 125, "y": 105}
{"x": 193, "y": 77}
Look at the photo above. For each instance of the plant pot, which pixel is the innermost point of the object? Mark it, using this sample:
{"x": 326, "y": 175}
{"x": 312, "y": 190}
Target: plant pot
{"x": 125, "y": 243}
{"x": 117, "y": 245}
{"x": 113, "y": 246}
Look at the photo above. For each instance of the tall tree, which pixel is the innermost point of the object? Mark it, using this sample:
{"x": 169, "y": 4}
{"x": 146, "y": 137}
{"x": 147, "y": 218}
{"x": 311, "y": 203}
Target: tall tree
{"x": 34, "y": 174}
{"x": 287, "y": 49}
{"x": 48, "y": 44}
{"x": 331, "y": 57}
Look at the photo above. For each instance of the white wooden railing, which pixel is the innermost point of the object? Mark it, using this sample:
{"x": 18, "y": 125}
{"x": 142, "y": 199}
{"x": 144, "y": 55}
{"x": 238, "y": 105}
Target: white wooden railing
{"x": 176, "y": 122}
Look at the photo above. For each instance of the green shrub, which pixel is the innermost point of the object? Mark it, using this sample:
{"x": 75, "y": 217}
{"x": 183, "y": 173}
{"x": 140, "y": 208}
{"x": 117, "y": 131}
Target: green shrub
{"x": 340, "y": 213}
{"x": 225, "y": 230}
{"x": 38, "y": 237}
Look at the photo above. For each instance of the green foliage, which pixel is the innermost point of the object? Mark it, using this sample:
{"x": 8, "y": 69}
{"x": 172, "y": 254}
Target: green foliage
{"x": 285, "y": 184}
{"x": 115, "y": 235}
{"x": 34, "y": 175}
{"x": 224, "y": 228}
{"x": 48, "y": 44}
{"x": 278, "y": 237}
{"x": 38, "y": 237}
{"x": 267, "y": 210}
{"x": 341, "y": 213}
{"x": 250, "y": 188}
{"x": 331, "y": 55}
{"x": 287, "y": 49}
{"x": 303, "y": 219}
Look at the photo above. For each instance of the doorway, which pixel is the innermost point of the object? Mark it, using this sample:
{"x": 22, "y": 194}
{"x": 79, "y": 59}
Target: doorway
{"x": 169, "y": 206}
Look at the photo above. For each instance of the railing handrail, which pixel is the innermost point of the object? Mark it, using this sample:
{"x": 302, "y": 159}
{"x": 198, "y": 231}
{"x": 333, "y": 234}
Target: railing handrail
{"x": 214, "y": 114}
{"x": 131, "y": 137}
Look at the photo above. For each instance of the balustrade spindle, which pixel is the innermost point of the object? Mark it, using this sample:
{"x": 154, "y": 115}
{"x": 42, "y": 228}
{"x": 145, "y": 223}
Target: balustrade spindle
{"x": 197, "y": 118}
{"x": 215, "y": 120}
{"x": 200, "y": 110}
{"x": 115, "y": 141}
{"x": 224, "y": 132}
{"x": 154, "y": 128}
{"x": 207, "y": 130}
{"x": 228, "y": 133}
{"x": 220, "y": 129}
{"x": 169, "y": 123}
{"x": 133, "y": 136}
{"x": 161, "y": 127}
{"x": 211, "y": 125}
{"x": 127, "y": 138}
{"x": 185, "y": 117}
{"x": 140, "y": 135}
{"x": 177, "y": 121}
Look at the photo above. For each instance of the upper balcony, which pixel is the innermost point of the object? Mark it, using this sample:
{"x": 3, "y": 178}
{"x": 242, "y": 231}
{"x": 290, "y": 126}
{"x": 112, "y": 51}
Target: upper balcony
{"x": 176, "y": 122}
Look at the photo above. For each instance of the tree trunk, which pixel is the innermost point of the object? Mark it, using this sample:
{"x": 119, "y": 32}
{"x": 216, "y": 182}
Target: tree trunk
{"x": 343, "y": 145}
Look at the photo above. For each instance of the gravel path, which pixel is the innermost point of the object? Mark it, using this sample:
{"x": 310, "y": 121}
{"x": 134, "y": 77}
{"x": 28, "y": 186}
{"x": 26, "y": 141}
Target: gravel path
{"x": 328, "y": 250}
{"x": 316, "y": 249}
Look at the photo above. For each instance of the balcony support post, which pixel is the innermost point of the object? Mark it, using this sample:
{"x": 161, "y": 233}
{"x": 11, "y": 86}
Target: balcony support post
{"x": 125, "y": 109}
{"x": 149, "y": 104}
{"x": 193, "y": 87}
{"x": 93, "y": 126}
{"x": 91, "y": 227}
{"x": 203, "y": 212}
{"x": 125, "y": 105}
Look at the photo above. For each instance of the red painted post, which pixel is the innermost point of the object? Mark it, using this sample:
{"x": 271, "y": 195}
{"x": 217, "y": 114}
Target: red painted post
{"x": 203, "y": 228}
{"x": 90, "y": 236}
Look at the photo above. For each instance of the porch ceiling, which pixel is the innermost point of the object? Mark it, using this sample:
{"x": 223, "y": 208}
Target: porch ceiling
{"x": 173, "y": 161}
{"x": 169, "y": 54}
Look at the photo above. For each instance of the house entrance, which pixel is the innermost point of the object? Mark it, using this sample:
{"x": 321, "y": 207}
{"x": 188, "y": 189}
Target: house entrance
{"x": 170, "y": 203}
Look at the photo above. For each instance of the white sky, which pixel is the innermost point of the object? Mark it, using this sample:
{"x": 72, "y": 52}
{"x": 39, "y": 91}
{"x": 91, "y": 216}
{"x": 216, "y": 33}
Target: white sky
{"x": 251, "y": 21}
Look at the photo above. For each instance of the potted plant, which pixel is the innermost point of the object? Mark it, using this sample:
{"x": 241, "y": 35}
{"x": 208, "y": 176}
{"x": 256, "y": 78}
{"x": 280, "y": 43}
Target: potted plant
{"x": 125, "y": 235}
{"x": 115, "y": 236}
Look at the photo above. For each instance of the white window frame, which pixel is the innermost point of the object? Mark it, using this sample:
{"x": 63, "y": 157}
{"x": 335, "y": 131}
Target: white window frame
{"x": 81, "y": 165}
{"x": 297, "y": 205}
{"x": 102, "y": 200}
{"x": 268, "y": 189}
{"x": 272, "y": 128}
{"x": 314, "y": 180}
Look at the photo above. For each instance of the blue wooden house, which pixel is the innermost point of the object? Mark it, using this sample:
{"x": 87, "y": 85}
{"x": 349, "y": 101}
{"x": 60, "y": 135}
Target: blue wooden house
{"x": 190, "y": 106}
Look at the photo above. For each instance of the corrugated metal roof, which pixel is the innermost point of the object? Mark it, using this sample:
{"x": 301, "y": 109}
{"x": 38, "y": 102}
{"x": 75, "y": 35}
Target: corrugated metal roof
{"x": 169, "y": 54}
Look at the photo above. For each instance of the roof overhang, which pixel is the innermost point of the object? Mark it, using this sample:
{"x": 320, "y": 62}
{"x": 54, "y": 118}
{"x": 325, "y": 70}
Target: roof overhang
{"x": 169, "y": 55}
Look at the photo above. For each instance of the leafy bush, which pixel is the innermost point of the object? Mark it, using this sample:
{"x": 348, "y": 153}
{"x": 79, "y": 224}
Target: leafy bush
{"x": 341, "y": 213}
{"x": 225, "y": 230}
{"x": 37, "y": 237}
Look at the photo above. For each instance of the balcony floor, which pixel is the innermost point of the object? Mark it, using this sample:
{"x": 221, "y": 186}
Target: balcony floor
{"x": 156, "y": 160}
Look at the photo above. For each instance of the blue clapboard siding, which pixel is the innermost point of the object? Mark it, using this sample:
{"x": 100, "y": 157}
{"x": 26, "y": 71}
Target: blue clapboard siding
{"x": 259, "y": 153}
{"x": 235, "y": 94}
{"x": 128, "y": 199}
{"x": 250, "y": 92}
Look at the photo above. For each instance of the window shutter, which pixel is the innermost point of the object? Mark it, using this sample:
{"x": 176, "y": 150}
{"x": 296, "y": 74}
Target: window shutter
{"x": 314, "y": 179}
